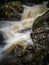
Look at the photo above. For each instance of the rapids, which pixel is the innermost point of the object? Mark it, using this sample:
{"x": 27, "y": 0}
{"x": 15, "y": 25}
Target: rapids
{"x": 18, "y": 32}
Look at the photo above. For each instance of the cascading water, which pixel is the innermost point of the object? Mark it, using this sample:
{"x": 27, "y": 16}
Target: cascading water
{"x": 33, "y": 11}
{"x": 19, "y": 32}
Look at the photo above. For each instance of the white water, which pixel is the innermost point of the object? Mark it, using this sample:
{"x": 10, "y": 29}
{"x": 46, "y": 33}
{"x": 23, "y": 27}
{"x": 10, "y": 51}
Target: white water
{"x": 33, "y": 11}
{"x": 12, "y": 32}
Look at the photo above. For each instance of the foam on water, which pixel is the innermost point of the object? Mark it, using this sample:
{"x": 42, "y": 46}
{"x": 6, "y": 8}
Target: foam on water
{"x": 21, "y": 39}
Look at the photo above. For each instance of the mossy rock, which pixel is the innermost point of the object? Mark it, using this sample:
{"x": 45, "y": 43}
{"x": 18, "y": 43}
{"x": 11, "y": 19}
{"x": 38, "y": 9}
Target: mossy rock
{"x": 41, "y": 20}
{"x": 10, "y": 8}
{"x": 40, "y": 37}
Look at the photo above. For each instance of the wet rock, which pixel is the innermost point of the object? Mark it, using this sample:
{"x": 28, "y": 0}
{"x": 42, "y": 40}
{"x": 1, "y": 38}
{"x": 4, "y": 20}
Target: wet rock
{"x": 48, "y": 5}
{"x": 40, "y": 36}
{"x": 41, "y": 21}
{"x": 19, "y": 56}
{"x": 32, "y": 55}
{"x": 45, "y": 60}
{"x": 2, "y": 39}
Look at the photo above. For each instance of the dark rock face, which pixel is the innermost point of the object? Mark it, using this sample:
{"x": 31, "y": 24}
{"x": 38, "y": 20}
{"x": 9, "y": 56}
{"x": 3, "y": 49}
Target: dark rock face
{"x": 2, "y": 39}
{"x": 48, "y": 4}
{"x": 45, "y": 60}
{"x": 19, "y": 56}
{"x": 40, "y": 21}
{"x": 32, "y": 55}
{"x": 40, "y": 36}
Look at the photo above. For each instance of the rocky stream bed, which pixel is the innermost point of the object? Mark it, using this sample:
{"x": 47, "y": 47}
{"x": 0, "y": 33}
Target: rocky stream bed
{"x": 27, "y": 42}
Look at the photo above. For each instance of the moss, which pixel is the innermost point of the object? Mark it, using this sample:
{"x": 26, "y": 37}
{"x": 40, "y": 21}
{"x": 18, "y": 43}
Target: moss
{"x": 10, "y": 8}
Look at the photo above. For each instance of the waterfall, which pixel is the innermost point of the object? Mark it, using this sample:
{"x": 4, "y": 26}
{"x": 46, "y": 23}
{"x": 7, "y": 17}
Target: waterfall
{"x": 17, "y": 33}
{"x": 33, "y": 11}
{"x": 30, "y": 14}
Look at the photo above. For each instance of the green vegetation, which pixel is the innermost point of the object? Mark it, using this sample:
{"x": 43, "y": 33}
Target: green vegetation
{"x": 10, "y": 8}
